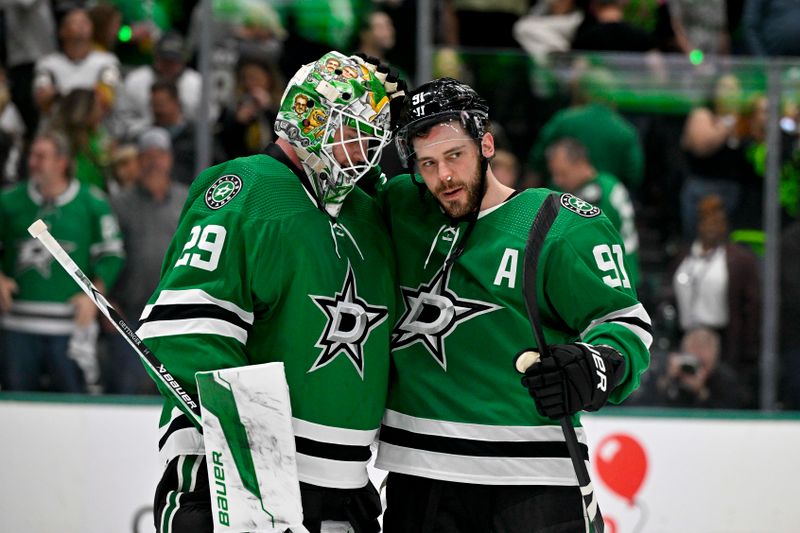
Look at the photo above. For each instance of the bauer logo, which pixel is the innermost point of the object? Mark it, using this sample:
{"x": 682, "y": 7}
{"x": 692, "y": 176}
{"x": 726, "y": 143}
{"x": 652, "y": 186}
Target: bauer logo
{"x": 576, "y": 205}
{"x": 223, "y": 191}
{"x": 221, "y": 489}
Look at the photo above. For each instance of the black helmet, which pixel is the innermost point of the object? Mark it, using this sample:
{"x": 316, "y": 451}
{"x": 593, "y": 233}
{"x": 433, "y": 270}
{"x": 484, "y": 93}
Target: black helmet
{"x": 438, "y": 101}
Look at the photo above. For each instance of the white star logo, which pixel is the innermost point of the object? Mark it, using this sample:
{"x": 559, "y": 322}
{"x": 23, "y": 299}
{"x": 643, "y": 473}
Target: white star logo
{"x": 33, "y": 255}
{"x": 350, "y": 322}
{"x": 432, "y": 313}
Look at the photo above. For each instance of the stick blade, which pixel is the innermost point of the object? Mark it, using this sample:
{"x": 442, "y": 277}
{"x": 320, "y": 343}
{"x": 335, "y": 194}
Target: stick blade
{"x": 37, "y": 228}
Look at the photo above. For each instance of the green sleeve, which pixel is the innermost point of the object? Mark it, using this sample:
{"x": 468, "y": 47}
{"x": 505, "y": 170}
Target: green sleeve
{"x": 201, "y": 313}
{"x": 588, "y": 288}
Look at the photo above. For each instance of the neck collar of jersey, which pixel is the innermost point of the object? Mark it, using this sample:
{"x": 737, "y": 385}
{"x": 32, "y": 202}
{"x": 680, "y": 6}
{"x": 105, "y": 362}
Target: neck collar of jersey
{"x": 62, "y": 199}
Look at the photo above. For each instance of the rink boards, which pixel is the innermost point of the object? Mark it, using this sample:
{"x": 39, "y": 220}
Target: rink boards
{"x": 89, "y": 465}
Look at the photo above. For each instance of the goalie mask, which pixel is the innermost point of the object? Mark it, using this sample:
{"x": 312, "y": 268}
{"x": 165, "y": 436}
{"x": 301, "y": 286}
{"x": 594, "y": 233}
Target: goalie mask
{"x": 335, "y": 113}
{"x": 436, "y": 102}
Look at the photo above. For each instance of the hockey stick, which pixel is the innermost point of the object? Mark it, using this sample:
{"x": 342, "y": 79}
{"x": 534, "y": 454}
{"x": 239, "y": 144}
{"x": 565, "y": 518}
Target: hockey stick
{"x": 38, "y": 230}
{"x": 536, "y": 237}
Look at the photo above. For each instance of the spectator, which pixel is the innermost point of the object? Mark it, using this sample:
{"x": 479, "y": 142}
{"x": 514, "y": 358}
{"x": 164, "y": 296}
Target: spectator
{"x": 169, "y": 64}
{"x": 165, "y": 105}
{"x": 241, "y": 27}
{"x": 607, "y": 30}
{"x": 712, "y": 141}
{"x": 611, "y": 141}
{"x": 376, "y": 36}
{"x": 700, "y": 25}
{"x": 79, "y": 115}
{"x": 770, "y": 27}
{"x": 789, "y": 311}
{"x": 106, "y": 23}
{"x": 717, "y": 285}
{"x": 125, "y": 168}
{"x": 13, "y": 130}
{"x": 49, "y": 322}
{"x": 30, "y": 31}
{"x": 505, "y": 167}
{"x": 77, "y": 66}
{"x": 146, "y": 239}
{"x": 247, "y": 126}
{"x": 696, "y": 377}
{"x": 573, "y": 172}
{"x": 549, "y": 27}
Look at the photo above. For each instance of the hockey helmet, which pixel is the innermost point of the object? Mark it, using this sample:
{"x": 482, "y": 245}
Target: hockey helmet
{"x": 436, "y": 102}
{"x": 322, "y": 99}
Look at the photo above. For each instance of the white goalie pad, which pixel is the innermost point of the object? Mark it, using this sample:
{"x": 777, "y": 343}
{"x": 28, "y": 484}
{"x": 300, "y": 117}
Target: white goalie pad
{"x": 250, "y": 450}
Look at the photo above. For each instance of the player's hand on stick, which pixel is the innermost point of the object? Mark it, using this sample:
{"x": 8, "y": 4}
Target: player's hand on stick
{"x": 576, "y": 377}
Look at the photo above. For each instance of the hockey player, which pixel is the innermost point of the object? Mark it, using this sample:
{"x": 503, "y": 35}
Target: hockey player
{"x": 278, "y": 258}
{"x": 465, "y": 447}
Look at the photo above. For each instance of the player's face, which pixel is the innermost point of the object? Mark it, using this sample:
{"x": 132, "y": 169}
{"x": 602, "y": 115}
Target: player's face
{"x": 347, "y": 149}
{"x": 448, "y": 161}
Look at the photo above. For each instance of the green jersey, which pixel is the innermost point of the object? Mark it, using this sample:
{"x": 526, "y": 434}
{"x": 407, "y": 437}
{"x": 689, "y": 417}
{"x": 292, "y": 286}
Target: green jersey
{"x": 611, "y": 196}
{"x": 257, "y": 273}
{"x": 456, "y": 409}
{"x": 81, "y": 220}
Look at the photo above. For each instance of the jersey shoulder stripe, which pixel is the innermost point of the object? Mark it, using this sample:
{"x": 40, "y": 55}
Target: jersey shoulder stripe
{"x": 180, "y": 312}
{"x": 196, "y": 297}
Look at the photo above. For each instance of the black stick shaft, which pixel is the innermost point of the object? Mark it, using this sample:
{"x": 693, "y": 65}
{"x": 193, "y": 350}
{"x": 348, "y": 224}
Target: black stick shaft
{"x": 533, "y": 247}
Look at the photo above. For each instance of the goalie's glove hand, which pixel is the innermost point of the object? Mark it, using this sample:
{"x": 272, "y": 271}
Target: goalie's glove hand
{"x": 395, "y": 87}
{"x": 576, "y": 377}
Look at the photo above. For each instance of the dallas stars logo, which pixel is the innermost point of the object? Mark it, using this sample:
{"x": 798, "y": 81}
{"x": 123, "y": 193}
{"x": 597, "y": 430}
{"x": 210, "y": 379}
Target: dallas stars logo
{"x": 33, "y": 255}
{"x": 223, "y": 190}
{"x": 350, "y": 322}
{"x": 432, "y": 313}
{"x": 578, "y": 206}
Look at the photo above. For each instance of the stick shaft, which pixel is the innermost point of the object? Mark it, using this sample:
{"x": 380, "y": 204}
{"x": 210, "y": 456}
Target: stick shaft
{"x": 39, "y": 231}
{"x": 541, "y": 225}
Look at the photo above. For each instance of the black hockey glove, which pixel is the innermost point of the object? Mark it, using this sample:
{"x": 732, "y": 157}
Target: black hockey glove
{"x": 576, "y": 377}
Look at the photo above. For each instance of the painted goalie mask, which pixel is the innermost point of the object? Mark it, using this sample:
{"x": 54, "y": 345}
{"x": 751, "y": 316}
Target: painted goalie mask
{"x": 336, "y": 114}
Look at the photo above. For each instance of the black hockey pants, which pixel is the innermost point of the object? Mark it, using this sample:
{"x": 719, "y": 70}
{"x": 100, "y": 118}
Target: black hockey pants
{"x": 421, "y": 505}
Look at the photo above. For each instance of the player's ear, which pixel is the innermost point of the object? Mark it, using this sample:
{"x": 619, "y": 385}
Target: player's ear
{"x": 487, "y": 145}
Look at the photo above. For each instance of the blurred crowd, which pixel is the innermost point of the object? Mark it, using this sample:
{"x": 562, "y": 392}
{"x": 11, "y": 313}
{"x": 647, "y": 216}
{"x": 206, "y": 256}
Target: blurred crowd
{"x": 99, "y": 110}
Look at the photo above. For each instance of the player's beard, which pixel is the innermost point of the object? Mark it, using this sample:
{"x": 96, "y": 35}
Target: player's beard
{"x": 468, "y": 202}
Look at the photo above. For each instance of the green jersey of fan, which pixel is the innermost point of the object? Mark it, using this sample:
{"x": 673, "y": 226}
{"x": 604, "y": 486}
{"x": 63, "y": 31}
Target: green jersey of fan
{"x": 257, "y": 273}
{"x": 80, "y": 219}
{"x": 456, "y": 408}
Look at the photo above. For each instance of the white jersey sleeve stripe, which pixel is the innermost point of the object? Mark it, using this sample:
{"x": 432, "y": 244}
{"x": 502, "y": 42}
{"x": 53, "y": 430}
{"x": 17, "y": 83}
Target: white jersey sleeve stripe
{"x": 634, "y": 318}
{"x": 195, "y": 296}
{"x": 209, "y": 326}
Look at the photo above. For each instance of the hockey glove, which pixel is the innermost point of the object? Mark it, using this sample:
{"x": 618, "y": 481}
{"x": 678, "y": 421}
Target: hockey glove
{"x": 576, "y": 377}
